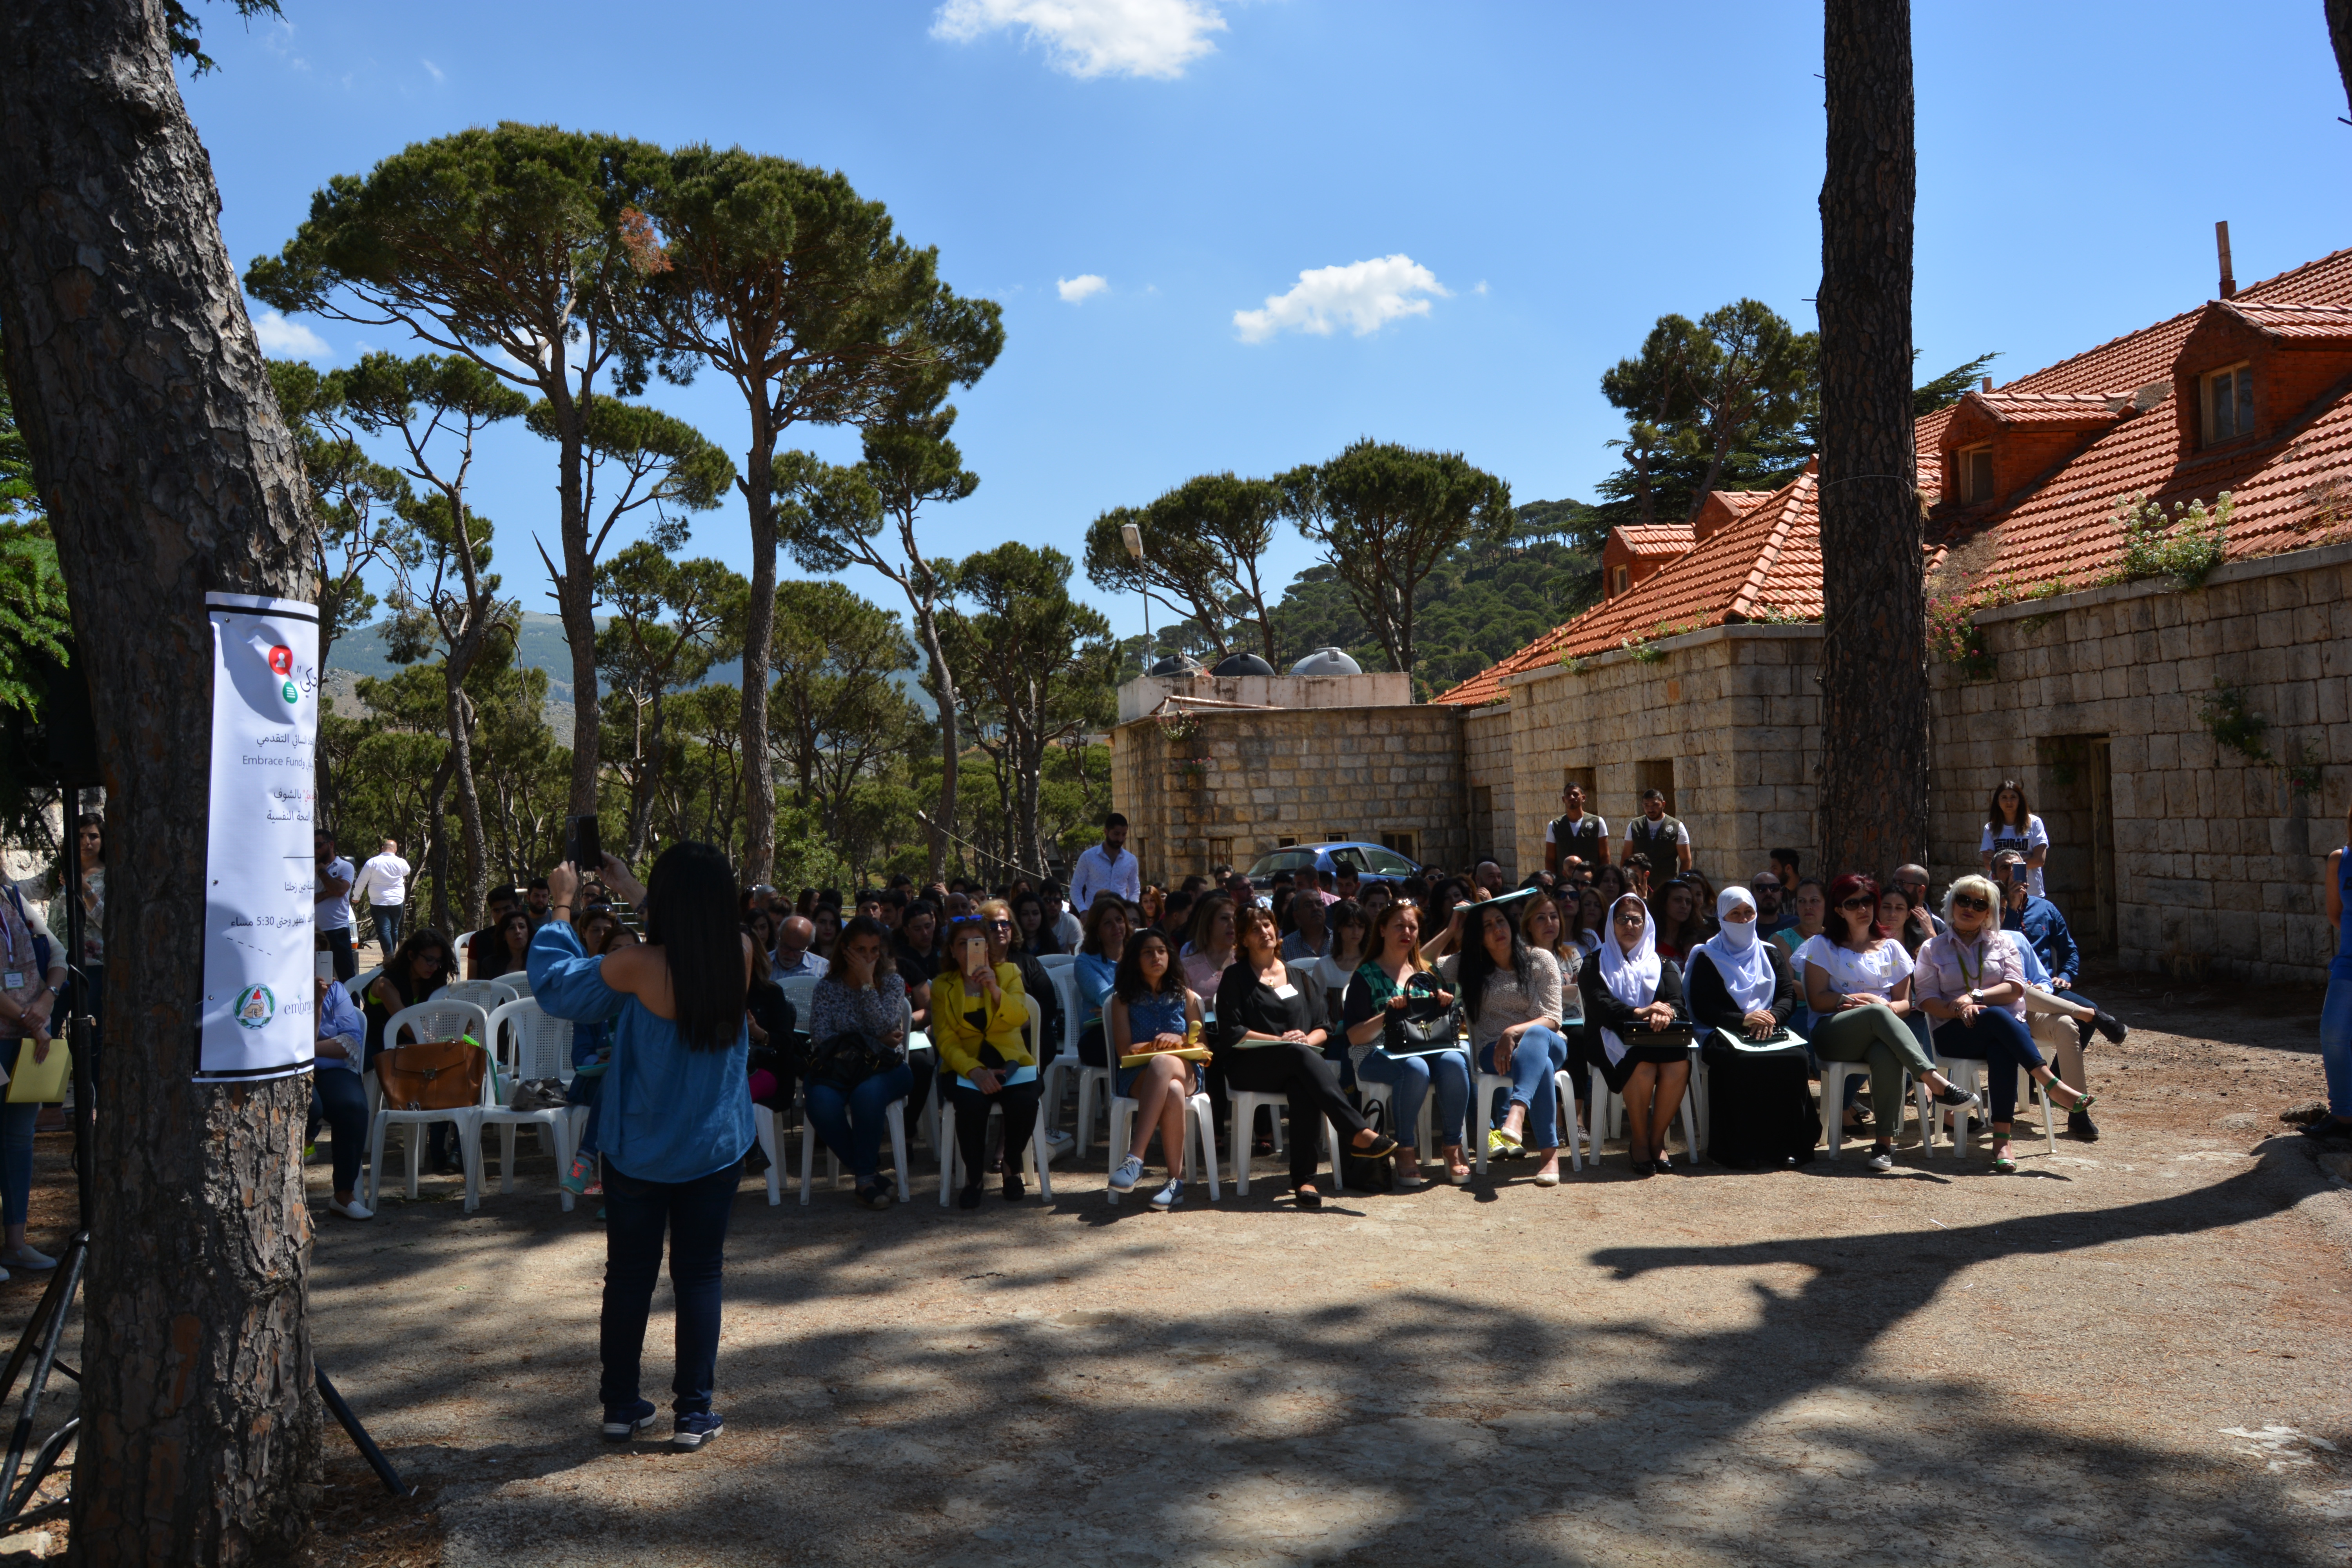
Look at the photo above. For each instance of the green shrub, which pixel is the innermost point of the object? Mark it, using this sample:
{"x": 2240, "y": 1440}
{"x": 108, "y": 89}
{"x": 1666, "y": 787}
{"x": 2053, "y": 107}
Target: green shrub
{"x": 2186, "y": 543}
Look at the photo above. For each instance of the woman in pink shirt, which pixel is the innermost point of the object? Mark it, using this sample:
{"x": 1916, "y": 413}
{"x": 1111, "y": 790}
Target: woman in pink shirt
{"x": 1971, "y": 982}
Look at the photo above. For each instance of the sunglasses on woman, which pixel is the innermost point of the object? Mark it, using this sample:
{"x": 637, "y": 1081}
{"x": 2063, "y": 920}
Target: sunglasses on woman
{"x": 1966, "y": 902}
{"x": 1859, "y": 904}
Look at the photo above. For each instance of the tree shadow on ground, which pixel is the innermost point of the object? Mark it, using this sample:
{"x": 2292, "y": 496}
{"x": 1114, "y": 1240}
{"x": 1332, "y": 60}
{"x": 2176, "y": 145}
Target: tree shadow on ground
{"x": 896, "y": 1392}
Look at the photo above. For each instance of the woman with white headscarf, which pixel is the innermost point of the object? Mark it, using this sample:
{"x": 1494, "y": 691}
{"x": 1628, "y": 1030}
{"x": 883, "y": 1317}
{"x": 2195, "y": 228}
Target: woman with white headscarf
{"x": 1742, "y": 992}
{"x": 1629, "y": 991}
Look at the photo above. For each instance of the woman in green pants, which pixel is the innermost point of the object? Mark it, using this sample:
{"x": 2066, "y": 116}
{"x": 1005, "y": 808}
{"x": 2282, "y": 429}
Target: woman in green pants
{"x": 1858, "y": 984}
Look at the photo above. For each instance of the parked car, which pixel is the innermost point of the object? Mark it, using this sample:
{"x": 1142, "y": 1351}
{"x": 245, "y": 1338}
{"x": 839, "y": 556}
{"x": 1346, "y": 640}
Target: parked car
{"x": 1369, "y": 859}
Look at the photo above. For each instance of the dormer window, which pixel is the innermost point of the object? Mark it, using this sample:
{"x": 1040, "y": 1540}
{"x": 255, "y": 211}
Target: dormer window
{"x": 1976, "y": 473}
{"x": 2229, "y": 403}
{"x": 1625, "y": 577}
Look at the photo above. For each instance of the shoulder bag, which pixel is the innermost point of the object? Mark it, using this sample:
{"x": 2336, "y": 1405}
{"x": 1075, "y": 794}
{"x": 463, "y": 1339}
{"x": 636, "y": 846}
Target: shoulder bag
{"x": 846, "y": 1060}
{"x": 1423, "y": 1023}
{"x": 438, "y": 1075}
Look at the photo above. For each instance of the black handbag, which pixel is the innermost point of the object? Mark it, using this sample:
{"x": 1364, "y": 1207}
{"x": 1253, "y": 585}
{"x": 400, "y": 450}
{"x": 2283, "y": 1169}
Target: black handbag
{"x": 1423, "y": 1023}
{"x": 1676, "y": 1034}
{"x": 848, "y": 1059}
{"x": 1362, "y": 1173}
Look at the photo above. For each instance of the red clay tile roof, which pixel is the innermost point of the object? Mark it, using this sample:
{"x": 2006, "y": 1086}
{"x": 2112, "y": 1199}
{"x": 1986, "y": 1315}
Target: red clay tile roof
{"x": 1745, "y": 500}
{"x": 1656, "y": 538}
{"x": 2293, "y": 491}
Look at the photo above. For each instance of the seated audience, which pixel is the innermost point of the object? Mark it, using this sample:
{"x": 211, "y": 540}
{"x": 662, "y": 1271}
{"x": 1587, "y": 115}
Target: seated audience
{"x": 862, "y": 994}
{"x": 1033, "y": 935}
{"x": 771, "y": 1024}
{"x": 980, "y": 1026}
{"x": 1674, "y": 916}
{"x": 1067, "y": 924}
{"x": 337, "y": 1096}
{"x": 996, "y": 917}
{"x": 1175, "y": 921}
{"x": 796, "y": 953}
{"x": 600, "y": 932}
{"x": 1610, "y": 881}
{"x": 1810, "y": 902}
{"x": 482, "y": 948}
{"x": 1901, "y": 918}
{"x": 1343, "y": 956}
{"x": 1308, "y": 938}
{"x": 1151, "y": 1009}
{"x": 1101, "y": 945}
{"x": 1973, "y": 983}
{"x": 1741, "y": 992}
{"x": 1784, "y": 866}
{"x": 2036, "y": 922}
{"x": 1268, "y": 1042}
{"x": 1386, "y": 983}
{"x": 825, "y": 921}
{"x": 1511, "y": 996}
{"x": 1629, "y": 991}
{"x": 1858, "y": 985}
{"x": 2054, "y": 1023}
{"x": 1212, "y": 947}
{"x": 1775, "y": 910}
{"x": 1154, "y": 900}
{"x": 1913, "y": 880}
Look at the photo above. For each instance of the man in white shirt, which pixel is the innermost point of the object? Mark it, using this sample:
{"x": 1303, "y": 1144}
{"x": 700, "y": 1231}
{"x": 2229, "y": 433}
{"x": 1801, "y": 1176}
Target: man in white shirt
{"x": 333, "y": 913}
{"x": 383, "y": 882}
{"x": 1065, "y": 925}
{"x": 1107, "y": 867}
{"x": 792, "y": 954}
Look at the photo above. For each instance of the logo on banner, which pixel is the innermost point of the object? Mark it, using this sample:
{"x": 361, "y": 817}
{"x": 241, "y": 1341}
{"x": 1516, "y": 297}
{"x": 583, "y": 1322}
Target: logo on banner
{"x": 255, "y": 1006}
{"x": 281, "y": 660}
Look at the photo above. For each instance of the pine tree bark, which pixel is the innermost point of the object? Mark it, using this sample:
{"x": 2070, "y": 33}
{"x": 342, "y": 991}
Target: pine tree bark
{"x": 167, "y": 473}
{"x": 759, "y": 485}
{"x": 2339, "y": 35}
{"x": 1874, "y": 776}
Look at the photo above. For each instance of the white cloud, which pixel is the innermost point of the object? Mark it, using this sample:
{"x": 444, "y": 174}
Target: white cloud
{"x": 1088, "y": 38}
{"x": 437, "y": 76}
{"x": 1073, "y": 290}
{"x": 1481, "y": 287}
{"x": 282, "y": 339}
{"x": 1364, "y": 295}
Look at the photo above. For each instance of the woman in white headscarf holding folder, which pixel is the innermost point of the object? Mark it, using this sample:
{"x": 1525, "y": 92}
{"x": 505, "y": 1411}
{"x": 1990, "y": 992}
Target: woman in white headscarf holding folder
{"x": 1634, "y": 998}
{"x": 1742, "y": 992}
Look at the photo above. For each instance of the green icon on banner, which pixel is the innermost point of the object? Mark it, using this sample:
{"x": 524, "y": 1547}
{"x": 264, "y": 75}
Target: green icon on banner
{"x": 289, "y": 693}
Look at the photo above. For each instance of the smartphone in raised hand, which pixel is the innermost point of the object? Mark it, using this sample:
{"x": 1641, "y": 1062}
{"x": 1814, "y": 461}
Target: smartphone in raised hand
{"x": 584, "y": 844}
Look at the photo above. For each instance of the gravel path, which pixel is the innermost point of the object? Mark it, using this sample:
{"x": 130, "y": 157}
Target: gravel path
{"x": 2134, "y": 1352}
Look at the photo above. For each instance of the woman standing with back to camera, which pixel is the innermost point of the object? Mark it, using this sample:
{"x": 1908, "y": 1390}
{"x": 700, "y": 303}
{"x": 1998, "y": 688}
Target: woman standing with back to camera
{"x": 675, "y": 1118}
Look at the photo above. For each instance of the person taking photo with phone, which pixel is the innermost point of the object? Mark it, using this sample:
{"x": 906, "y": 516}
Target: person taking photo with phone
{"x": 677, "y": 1112}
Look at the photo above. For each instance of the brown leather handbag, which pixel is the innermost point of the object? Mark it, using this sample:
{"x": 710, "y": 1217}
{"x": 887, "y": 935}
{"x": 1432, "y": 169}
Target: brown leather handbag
{"x": 438, "y": 1075}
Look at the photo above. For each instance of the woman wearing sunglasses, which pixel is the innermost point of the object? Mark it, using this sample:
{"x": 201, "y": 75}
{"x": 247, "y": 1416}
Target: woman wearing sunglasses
{"x": 1971, "y": 981}
{"x": 1858, "y": 984}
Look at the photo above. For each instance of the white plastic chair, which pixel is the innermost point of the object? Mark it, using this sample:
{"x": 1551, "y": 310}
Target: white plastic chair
{"x": 1968, "y": 1073}
{"x": 1055, "y": 1074}
{"x": 1200, "y": 1131}
{"x": 1609, "y": 1112}
{"x": 437, "y": 1019}
{"x": 1245, "y": 1103}
{"x": 1036, "y": 1158}
{"x": 771, "y": 1135}
{"x": 1425, "y": 1132}
{"x": 1484, "y": 1088}
{"x": 1834, "y": 1075}
{"x": 534, "y": 1045}
{"x": 491, "y": 994}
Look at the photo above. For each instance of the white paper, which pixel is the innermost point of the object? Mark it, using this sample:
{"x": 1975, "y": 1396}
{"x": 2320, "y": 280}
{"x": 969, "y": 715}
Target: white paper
{"x": 1285, "y": 990}
{"x": 259, "y": 1002}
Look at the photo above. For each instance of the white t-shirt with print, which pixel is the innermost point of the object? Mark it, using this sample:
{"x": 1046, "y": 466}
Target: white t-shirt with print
{"x": 1593, "y": 817}
{"x": 1682, "y": 833}
{"x": 2035, "y": 836}
{"x": 1874, "y": 972}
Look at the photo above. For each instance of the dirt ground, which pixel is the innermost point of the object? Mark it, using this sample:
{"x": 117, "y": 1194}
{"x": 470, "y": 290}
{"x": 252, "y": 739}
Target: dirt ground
{"x": 2133, "y": 1352}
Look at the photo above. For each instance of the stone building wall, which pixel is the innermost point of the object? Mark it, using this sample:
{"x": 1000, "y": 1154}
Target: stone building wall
{"x": 1486, "y": 771}
{"x": 1227, "y": 785}
{"x": 2182, "y": 852}
{"x": 1725, "y": 719}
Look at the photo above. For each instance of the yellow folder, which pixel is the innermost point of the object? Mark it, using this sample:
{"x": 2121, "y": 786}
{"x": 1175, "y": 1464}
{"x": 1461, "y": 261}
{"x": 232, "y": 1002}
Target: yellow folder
{"x": 40, "y": 1081}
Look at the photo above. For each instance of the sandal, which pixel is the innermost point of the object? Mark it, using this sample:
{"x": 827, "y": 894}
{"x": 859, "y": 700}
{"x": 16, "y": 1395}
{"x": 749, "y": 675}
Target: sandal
{"x": 1308, "y": 1198}
{"x": 2003, "y": 1165}
{"x": 1379, "y": 1147}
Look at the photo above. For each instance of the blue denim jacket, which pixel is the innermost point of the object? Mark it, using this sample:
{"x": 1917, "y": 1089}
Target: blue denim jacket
{"x": 670, "y": 1114}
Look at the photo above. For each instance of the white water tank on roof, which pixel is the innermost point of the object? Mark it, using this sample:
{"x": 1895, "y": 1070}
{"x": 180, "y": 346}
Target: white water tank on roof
{"x": 1326, "y": 661}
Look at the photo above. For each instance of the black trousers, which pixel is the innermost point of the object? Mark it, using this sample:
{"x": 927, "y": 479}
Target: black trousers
{"x": 1019, "y": 1102}
{"x": 1312, "y": 1086}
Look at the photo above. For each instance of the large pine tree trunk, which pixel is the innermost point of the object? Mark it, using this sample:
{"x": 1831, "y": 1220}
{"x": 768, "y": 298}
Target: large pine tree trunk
{"x": 950, "y": 742}
{"x": 759, "y": 629}
{"x": 1874, "y": 784}
{"x": 167, "y": 473}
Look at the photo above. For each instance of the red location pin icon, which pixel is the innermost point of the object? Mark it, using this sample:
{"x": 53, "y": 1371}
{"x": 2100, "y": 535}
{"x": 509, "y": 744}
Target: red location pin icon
{"x": 281, "y": 660}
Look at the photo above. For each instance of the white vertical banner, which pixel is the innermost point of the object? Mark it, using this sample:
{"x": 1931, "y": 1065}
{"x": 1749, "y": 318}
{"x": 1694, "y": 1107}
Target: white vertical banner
{"x": 260, "y": 996}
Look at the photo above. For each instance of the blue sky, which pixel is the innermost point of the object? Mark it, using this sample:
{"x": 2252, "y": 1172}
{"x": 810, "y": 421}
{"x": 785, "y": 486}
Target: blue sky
{"x": 1492, "y": 201}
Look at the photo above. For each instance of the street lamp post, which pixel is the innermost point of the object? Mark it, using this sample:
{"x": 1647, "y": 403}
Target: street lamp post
{"x": 1133, "y": 535}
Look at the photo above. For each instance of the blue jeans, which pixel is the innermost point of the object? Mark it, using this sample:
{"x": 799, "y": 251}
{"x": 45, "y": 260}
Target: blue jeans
{"x": 2002, "y": 1044}
{"x": 16, "y": 1146}
{"x": 636, "y": 1215}
{"x": 1541, "y": 1053}
{"x": 338, "y": 1097}
{"x": 2336, "y": 1046}
{"x": 387, "y": 919}
{"x": 588, "y": 1092}
{"x": 1411, "y": 1078}
{"x": 850, "y": 1122}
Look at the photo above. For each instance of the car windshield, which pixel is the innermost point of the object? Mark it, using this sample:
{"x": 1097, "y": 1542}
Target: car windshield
{"x": 1389, "y": 863}
{"x": 1282, "y": 861}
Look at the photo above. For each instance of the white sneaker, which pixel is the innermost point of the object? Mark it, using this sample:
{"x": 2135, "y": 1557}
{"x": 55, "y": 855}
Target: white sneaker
{"x": 1129, "y": 1172}
{"x": 352, "y": 1210}
{"x": 27, "y": 1258}
{"x": 1883, "y": 1160}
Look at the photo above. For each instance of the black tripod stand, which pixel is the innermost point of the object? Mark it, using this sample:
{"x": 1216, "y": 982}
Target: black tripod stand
{"x": 38, "y": 1342}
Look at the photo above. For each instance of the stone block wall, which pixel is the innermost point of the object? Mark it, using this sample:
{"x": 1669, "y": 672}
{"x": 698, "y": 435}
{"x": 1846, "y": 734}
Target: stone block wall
{"x": 1487, "y": 772}
{"x": 1731, "y": 715}
{"x": 2213, "y": 859}
{"x": 1232, "y": 783}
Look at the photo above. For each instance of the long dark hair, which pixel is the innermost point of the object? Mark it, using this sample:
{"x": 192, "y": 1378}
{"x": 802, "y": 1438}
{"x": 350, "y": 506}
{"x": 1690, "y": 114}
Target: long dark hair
{"x": 1684, "y": 934}
{"x": 1128, "y": 984}
{"x": 1833, "y": 921}
{"x": 404, "y": 963}
{"x": 1993, "y": 817}
{"x": 503, "y": 961}
{"x": 836, "y": 965}
{"x": 690, "y": 916}
{"x": 1478, "y": 965}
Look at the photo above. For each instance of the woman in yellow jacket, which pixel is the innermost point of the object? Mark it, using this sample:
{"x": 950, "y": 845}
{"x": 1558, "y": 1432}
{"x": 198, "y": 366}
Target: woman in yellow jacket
{"x": 979, "y": 1022}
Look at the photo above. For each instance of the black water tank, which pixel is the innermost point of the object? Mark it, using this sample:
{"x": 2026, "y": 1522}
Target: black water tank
{"x": 1243, "y": 664}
